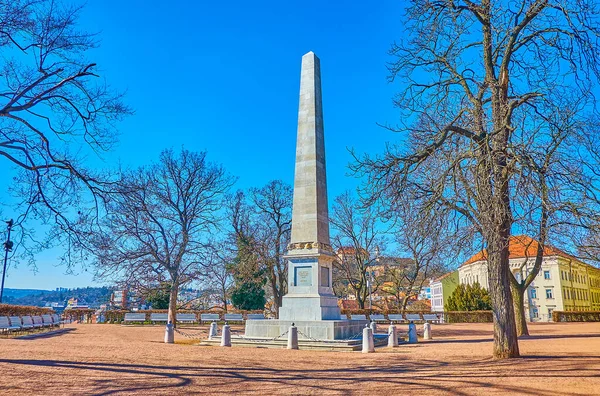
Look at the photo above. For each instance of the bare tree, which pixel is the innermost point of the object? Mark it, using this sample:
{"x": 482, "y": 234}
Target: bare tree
{"x": 215, "y": 272}
{"x": 424, "y": 238}
{"x": 358, "y": 240}
{"x": 272, "y": 224}
{"x": 160, "y": 219}
{"x": 54, "y": 112}
{"x": 478, "y": 76}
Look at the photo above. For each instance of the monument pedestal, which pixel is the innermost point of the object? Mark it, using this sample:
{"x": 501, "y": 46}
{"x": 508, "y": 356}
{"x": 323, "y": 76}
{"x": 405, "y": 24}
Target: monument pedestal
{"x": 303, "y": 307}
{"x": 318, "y": 329}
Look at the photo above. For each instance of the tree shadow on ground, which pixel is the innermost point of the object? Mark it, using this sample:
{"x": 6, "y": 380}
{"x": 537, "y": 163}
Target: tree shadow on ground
{"x": 47, "y": 334}
{"x": 460, "y": 378}
{"x": 557, "y": 336}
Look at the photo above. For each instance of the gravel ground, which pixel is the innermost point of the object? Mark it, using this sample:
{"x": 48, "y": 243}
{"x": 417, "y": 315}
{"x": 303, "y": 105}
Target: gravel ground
{"x": 558, "y": 359}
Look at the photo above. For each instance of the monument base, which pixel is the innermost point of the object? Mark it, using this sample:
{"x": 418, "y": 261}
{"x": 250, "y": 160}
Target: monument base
{"x": 318, "y": 329}
{"x": 302, "y": 307}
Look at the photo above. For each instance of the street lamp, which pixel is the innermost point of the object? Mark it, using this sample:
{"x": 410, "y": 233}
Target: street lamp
{"x": 8, "y": 245}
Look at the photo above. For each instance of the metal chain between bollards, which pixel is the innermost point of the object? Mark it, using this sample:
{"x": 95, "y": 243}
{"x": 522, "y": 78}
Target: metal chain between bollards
{"x": 268, "y": 339}
{"x": 194, "y": 336}
{"x": 356, "y": 336}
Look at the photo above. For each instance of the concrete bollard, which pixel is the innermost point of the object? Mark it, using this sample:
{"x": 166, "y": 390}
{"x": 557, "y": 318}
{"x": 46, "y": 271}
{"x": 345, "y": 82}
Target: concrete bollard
{"x": 226, "y": 336}
{"x": 169, "y": 334}
{"x": 368, "y": 344}
{"x": 427, "y": 331}
{"x": 292, "y": 337}
{"x": 412, "y": 334}
{"x": 214, "y": 331}
{"x": 373, "y": 326}
{"x": 392, "y": 336}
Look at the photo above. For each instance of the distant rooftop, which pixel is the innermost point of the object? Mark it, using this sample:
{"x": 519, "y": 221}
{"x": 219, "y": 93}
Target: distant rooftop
{"x": 522, "y": 246}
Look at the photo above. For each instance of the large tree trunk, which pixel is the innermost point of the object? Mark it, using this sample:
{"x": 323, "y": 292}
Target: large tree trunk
{"x": 404, "y": 303}
{"x": 518, "y": 294}
{"x": 224, "y": 298}
{"x": 172, "y": 316}
{"x": 276, "y": 293}
{"x": 506, "y": 343}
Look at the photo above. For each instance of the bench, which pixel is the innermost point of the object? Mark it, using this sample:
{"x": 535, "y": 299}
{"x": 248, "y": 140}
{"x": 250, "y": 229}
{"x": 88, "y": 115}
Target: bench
{"x": 377, "y": 318}
{"x": 47, "y": 321}
{"x": 186, "y": 318}
{"x": 358, "y": 317}
{"x": 56, "y": 320}
{"x": 431, "y": 318}
{"x": 27, "y": 322}
{"x": 6, "y": 326}
{"x": 209, "y": 318}
{"x": 233, "y": 318}
{"x": 37, "y": 321}
{"x": 159, "y": 317}
{"x": 255, "y": 316}
{"x": 396, "y": 318}
{"x": 413, "y": 317}
{"x": 134, "y": 318}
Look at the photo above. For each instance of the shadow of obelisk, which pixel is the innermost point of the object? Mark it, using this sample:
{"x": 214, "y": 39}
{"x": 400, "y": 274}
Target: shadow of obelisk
{"x": 310, "y": 302}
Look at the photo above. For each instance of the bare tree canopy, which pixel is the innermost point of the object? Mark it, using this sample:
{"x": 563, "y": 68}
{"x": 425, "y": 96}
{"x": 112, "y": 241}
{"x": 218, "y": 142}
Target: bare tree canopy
{"x": 159, "y": 222}
{"x": 424, "y": 238}
{"x": 54, "y": 111}
{"x": 490, "y": 88}
{"x": 261, "y": 225}
{"x": 358, "y": 238}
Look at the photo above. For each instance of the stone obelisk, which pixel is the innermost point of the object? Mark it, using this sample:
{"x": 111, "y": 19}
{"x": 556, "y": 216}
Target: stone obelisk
{"x": 310, "y": 295}
{"x": 310, "y": 303}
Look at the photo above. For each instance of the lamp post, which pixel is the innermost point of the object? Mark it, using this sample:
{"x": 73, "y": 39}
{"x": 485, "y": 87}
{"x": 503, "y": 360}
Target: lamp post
{"x": 7, "y": 248}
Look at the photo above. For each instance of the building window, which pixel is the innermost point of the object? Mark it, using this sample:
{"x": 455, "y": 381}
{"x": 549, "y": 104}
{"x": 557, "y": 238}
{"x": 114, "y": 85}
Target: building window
{"x": 533, "y": 293}
{"x": 534, "y": 312}
{"x": 546, "y": 274}
{"x": 549, "y": 293}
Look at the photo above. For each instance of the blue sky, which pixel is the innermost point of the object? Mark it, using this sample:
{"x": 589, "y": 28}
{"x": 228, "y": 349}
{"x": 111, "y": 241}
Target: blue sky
{"x": 224, "y": 77}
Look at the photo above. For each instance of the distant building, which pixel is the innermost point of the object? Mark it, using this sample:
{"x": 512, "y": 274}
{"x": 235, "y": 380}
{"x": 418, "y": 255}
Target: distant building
{"x": 126, "y": 299}
{"x": 441, "y": 288}
{"x": 425, "y": 293}
{"x": 563, "y": 283}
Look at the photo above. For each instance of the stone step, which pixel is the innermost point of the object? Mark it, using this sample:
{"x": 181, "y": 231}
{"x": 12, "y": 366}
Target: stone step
{"x": 341, "y": 345}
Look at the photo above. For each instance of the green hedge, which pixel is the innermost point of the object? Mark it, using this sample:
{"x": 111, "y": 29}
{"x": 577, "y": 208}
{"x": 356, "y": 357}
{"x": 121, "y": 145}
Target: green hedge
{"x": 468, "y": 317}
{"x": 78, "y": 315}
{"x": 23, "y": 310}
{"x": 576, "y": 316}
{"x": 349, "y": 312}
{"x": 117, "y": 315}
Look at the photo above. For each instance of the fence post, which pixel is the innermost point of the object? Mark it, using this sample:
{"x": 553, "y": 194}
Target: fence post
{"x": 427, "y": 331}
{"x": 368, "y": 345}
{"x": 214, "y": 331}
{"x": 373, "y": 326}
{"x": 392, "y": 336}
{"x": 226, "y": 336}
{"x": 292, "y": 337}
{"x": 169, "y": 334}
{"x": 412, "y": 333}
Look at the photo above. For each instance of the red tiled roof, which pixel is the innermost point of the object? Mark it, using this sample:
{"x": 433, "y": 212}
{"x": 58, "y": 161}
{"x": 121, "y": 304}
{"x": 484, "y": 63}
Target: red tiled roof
{"x": 521, "y": 246}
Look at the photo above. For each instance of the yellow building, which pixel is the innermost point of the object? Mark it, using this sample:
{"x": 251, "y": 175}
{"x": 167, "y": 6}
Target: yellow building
{"x": 563, "y": 283}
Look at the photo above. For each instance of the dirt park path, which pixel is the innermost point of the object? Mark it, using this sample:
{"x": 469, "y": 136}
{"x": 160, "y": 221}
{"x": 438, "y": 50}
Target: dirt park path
{"x": 558, "y": 359}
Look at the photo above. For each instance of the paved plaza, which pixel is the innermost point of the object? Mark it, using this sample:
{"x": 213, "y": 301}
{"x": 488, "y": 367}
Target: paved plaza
{"x": 111, "y": 359}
